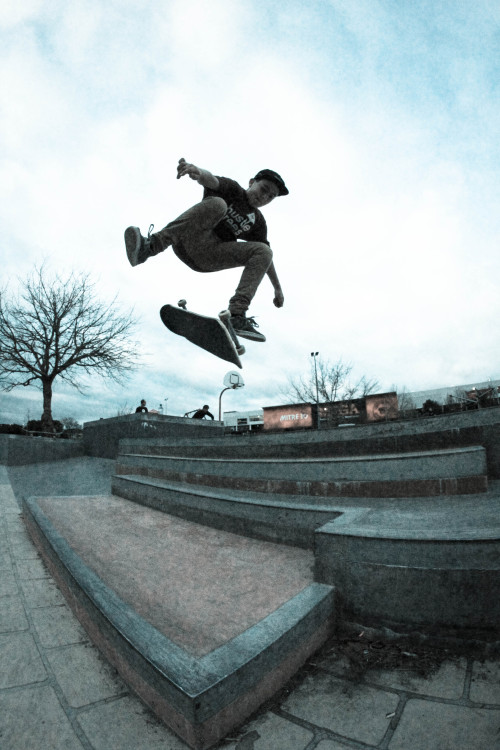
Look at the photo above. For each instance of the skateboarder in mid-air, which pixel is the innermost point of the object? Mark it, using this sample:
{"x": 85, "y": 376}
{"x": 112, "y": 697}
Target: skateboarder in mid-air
{"x": 207, "y": 237}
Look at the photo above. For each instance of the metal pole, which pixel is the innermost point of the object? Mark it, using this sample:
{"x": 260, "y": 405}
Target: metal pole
{"x": 314, "y": 355}
{"x": 220, "y": 402}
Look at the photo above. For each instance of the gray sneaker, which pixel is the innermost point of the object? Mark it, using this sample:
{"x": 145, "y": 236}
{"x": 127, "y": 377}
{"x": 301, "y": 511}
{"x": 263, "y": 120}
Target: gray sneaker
{"x": 246, "y": 328}
{"x": 139, "y": 248}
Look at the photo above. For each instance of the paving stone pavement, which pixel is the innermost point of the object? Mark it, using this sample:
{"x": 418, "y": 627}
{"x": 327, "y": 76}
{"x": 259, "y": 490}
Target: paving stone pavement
{"x": 56, "y": 692}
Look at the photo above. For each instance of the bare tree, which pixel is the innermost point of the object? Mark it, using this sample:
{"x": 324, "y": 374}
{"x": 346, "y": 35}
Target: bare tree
{"x": 57, "y": 327}
{"x": 124, "y": 409}
{"x": 70, "y": 423}
{"x": 406, "y": 401}
{"x": 333, "y": 384}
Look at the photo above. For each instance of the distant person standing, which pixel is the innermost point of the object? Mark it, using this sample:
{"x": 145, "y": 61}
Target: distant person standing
{"x": 142, "y": 409}
{"x": 202, "y": 413}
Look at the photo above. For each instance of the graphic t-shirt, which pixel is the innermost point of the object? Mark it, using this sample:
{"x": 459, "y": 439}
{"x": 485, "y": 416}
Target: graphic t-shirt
{"x": 242, "y": 221}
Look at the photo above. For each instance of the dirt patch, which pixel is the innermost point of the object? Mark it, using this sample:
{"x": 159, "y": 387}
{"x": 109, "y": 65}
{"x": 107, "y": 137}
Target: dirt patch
{"x": 356, "y": 656}
{"x": 351, "y": 657}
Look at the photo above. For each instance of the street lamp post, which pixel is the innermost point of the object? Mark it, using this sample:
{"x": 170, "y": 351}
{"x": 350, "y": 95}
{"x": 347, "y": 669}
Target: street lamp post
{"x": 314, "y": 355}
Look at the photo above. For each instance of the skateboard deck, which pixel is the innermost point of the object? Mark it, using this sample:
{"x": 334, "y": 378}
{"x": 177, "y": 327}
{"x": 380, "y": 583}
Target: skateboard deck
{"x": 215, "y": 335}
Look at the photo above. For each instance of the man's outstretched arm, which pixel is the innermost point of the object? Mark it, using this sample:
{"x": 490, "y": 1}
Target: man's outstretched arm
{"x": 279, "y": 298}
{"x": 203, "y": 176}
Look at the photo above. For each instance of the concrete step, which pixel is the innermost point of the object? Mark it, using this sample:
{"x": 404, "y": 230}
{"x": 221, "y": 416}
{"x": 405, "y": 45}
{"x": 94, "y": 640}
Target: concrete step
{"x": 287, "y": 519}
{"x": 291, "y": 519}
{"x": 430, "y": 433}
{"x": 435, "y": 572}
{"x": 451, "y": 471}
{"x": 203, "y": 625}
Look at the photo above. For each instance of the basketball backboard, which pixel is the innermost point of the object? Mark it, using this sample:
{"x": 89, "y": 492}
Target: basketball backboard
{"x": 233, "y": 379}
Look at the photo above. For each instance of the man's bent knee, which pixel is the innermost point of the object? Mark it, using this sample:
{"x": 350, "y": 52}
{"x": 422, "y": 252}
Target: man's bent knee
{"x": 215, "y": 206}
{"x": 264, "y": 251}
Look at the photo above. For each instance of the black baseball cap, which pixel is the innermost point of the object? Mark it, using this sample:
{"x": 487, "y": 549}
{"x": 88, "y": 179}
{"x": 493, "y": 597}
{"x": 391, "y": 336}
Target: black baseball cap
{"x": 269, "y": 174}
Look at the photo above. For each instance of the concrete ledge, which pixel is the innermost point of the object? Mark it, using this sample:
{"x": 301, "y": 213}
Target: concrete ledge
{"x": 102, "y": 437}
{"x": 437, "y": 580}
{"x": 478, "y": 427}
{"x": 17, "y": 450}
{"x": 420, "y": 465}
{"x": 201, "y": 699}
{"x": 274, "y": 518}
{"x": 453, "y": 471}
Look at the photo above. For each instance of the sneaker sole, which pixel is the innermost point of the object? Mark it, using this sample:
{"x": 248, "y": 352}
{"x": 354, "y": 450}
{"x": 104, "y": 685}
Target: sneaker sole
{"x": 250, "y": 336}
{"x": 133, "y": 244}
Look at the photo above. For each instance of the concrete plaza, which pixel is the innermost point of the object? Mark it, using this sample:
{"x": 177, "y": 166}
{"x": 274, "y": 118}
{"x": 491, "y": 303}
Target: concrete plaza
{"x": 57, "y": 692}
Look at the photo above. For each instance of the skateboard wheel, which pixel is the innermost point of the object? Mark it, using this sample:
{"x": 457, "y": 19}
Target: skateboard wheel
{"x": 241, "y": 350}
{"x": 182, "y": 303}
{"x": 224, "y": 315}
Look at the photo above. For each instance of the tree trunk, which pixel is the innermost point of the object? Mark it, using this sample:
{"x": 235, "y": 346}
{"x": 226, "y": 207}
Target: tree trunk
{"x": 47, "y": 422}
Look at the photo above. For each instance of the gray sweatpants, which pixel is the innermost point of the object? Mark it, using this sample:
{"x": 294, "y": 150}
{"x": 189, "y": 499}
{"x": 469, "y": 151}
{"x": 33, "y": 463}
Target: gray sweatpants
{"x": 194, "y": 242}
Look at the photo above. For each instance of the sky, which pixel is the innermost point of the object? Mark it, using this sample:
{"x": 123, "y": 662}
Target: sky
{"x": 382, "y": 116}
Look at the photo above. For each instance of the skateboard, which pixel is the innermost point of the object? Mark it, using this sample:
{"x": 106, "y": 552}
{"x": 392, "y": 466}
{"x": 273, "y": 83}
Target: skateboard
{"x": 215, "y": 335}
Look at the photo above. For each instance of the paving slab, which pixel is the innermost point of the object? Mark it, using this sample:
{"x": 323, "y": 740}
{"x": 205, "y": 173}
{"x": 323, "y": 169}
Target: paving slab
{"x": 6, "y": 489}
{"x": 12, "y": 614}
{"x": 32, "y": 719}
{"x": 427, "y": 725}
{"x": 14, "y": 522}
{"x": 5, "y": 560}
{"x": 8, "y": 583}
{"x": 22, "y": 547}
{"x": 83, "y": 675}
{"x": 57, "y": 626}
{"x": 32, "y": 569}
{"x": 485, "y": 682}
{"x": 41, "y": 592}
{"x": 270, "y": 732}
{"x": 20, "y": 662}
{"x": 447, "y": 682}
{"x": 127, "y": 725}
{"x": 349, "y": 709}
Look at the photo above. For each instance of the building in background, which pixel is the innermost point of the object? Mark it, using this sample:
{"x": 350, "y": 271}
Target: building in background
{"x": 375, "y": 407}
{"x": 372, "y": 408}
{"x": 243, "y": 421}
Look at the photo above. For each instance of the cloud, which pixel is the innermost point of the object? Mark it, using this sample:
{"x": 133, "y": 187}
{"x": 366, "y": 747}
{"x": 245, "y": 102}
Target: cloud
{"x": 13, "y": 13}
{"x": 207, "y": 37}
{"x": 382, "y": 121}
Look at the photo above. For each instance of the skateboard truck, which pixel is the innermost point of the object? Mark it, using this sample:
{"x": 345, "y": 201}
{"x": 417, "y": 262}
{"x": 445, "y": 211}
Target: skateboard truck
{"x": 224, "y": 317}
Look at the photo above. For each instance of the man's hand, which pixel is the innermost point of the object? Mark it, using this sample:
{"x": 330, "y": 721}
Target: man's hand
{"x": 279, "y": 298}
{"x": 184, "y": 168}
{"x": 203, "y": 176}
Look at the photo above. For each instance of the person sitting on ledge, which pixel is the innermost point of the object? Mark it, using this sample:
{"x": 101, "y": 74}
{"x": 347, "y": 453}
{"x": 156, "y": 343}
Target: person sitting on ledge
{"x": 142, "y": 408}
